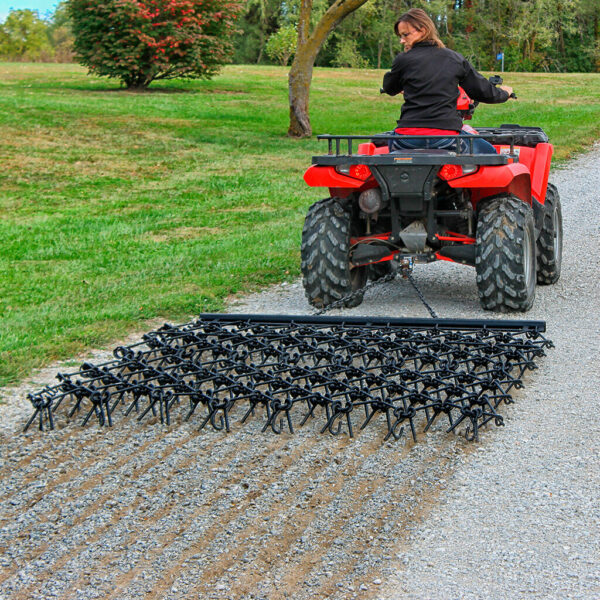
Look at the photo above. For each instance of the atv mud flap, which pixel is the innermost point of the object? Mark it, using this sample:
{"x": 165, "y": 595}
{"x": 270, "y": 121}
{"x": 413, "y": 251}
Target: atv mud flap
{"x": 346, "y": 372}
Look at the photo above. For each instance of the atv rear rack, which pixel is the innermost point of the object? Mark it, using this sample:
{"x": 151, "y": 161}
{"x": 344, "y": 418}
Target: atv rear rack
{"x": 421, "y": 156}
{"x": 507, "y": 134}
{"x": 410, "y": 371}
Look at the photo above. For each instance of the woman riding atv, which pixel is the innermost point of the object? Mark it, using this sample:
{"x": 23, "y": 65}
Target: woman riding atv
{"x": 428, "y": 74}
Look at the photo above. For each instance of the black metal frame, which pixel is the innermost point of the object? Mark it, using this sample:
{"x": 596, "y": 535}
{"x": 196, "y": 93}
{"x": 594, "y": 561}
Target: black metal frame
{"x": 419, "y": 156}
{"x": 367, "y": 322}
{"x": 511, "y": 135}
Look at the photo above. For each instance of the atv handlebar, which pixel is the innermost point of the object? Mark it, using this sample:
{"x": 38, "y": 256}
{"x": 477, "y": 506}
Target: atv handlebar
{"x": 497, "y": 80}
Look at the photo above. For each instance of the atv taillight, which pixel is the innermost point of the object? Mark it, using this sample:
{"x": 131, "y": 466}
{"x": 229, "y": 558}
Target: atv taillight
{"x": 448, "y": 172}
{"x": 361, "y": 172}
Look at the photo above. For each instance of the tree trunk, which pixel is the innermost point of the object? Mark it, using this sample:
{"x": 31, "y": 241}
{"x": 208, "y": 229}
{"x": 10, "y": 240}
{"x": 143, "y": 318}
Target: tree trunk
{"x": 261, "y": 47}
{"x": 597, "y": 40}
{"x": 308, "y": 47}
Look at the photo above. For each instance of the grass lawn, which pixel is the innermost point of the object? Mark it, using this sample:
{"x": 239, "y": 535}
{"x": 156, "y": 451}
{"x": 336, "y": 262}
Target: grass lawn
{"x": 120, "y": 207}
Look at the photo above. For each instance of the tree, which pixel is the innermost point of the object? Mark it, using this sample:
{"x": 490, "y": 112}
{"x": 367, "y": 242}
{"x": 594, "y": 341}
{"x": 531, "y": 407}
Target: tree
{"x": 60, "y": 32}
{"x": 307, "y": 48}
{"x": 140, "y": 41}
{"x": 23, "y": 36}
{"x": 347, "y": 55}
{"x": 364, "y": 35}
{"x": 282, "y": 44}
{"x": 261, "y": 19}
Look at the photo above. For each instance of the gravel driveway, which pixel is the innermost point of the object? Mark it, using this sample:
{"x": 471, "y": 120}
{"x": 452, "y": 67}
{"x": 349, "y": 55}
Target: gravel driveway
{"x": 143, "y": 511}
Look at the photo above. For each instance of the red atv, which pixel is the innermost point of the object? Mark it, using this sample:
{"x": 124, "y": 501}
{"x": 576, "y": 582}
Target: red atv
{"x": 390, "y": 209}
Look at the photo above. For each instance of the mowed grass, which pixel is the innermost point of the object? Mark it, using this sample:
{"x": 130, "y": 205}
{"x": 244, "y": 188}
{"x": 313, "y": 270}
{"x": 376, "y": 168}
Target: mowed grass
{"x": 118, "y": 208}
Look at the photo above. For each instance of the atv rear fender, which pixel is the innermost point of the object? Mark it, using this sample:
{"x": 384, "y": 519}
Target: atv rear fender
{"x": 537, "y": 160}
{"x": 513, "y": 178}
{"x": 317, "y": 176}
{"x": 339, "y": 185}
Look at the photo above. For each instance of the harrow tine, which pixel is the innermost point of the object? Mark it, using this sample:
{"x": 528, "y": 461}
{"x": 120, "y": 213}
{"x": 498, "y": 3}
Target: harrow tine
{"x": 214, "y": 406}
{"x": 276, "y": 408}
{"x": 338, "y": 411}
{"x": 311, "y": 409}
{"x": 153, "y": 398}
{"x": 403, "y": 414}
{"x": 369, "y": 416}
{"x": 392, "y": 427}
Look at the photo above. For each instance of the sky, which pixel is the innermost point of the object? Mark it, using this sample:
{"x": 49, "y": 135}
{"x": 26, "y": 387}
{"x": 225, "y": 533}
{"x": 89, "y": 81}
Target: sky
{"x": 42, "y": 6}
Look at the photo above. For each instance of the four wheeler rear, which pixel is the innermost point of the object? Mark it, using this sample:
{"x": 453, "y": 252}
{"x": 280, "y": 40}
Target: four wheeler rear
{"x": 388, "y": 210}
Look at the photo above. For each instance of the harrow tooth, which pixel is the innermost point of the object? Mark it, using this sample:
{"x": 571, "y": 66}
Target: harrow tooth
{"x": 411, "y": 370}
{"x": 276, "y": 408}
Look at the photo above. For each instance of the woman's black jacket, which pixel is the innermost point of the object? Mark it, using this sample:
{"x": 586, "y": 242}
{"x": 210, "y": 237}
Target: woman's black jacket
{"x": 429, "y": 77}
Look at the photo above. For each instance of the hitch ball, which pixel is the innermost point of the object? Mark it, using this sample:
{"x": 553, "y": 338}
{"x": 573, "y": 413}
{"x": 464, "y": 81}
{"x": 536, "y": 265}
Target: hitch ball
{"x": 370, "y": 201}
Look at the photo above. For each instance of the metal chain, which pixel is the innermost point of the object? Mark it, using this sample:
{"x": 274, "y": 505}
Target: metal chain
{"x": 356, "y": 293}
{"x": 384, "y": 279}
{"x": 431, "y": 311}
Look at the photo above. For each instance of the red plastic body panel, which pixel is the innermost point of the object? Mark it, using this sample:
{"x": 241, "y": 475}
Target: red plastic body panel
{"x": 538, "y": 161}
{"x": 489, "y": 181}
{"x": 463, "y": 101}
{"x": 370, "y": 149}
{"x": 318, "y": 176}
{"x": 540, "y": 170}
{"x": 382, "y": 150}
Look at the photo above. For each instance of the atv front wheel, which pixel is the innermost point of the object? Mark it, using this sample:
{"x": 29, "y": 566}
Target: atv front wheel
{"x": 549, "y": 244}
{"x": 505, "y": 255}
{"x": 326, "y": 272}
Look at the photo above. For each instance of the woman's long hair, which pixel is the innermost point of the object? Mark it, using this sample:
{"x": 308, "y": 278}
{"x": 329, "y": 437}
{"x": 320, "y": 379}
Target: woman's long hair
{"x": 419, "y": 19}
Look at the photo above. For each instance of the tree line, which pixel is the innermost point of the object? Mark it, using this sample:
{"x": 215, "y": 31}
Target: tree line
{"x": 529, "y": 35}
{"x": 533, "y": 35}
{"x": 28, "y": 37}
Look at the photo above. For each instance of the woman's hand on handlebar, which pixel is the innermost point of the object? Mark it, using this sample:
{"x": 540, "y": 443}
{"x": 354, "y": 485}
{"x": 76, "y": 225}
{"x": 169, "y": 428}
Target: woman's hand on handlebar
{"x": 509, "y": 90}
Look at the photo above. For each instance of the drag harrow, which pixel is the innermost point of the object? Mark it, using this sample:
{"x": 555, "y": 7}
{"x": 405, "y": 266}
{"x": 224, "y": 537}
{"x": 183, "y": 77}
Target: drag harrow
{"x": 346, "y": 372}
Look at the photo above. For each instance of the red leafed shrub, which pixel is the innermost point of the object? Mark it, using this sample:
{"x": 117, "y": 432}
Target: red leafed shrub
{"x": 139, "y": 41}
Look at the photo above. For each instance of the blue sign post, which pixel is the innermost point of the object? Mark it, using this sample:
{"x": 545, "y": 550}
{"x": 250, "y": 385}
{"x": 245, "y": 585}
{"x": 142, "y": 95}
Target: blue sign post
{"x": 500, "y": 56}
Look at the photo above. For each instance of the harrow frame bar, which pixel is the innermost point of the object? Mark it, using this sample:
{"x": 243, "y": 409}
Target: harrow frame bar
{"x": 410, "y": 322}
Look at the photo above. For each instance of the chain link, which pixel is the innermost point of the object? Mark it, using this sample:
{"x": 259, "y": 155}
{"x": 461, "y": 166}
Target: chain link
{"x": 419, "y": 293}
{"x": 341, "y": 303}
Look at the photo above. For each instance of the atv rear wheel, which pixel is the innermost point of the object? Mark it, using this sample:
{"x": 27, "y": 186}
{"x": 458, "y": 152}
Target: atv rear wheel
{"x": 549, "y": 243}
{"x": 505, "y": 255}
{"x": 326, "y": 272}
